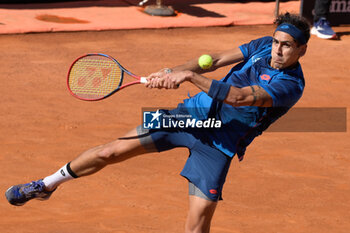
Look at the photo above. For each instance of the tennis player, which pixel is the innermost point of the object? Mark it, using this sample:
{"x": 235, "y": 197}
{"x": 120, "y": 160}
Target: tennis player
{"x": 265, "y": 84}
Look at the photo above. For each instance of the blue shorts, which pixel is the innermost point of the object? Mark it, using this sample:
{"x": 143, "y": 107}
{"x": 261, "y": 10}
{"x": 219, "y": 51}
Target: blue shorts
{"x": 206, "y": 166}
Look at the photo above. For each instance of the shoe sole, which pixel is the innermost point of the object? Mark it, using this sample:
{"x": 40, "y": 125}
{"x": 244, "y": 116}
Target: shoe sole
{"x": 322, "y": 36}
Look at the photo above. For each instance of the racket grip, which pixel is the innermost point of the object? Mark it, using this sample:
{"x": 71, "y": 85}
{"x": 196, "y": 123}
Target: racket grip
{"x": 143, "y": 80}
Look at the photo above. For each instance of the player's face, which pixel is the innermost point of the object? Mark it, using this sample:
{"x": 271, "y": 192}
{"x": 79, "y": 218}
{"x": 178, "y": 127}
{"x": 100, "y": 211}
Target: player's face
{"x": 285, "y": 51}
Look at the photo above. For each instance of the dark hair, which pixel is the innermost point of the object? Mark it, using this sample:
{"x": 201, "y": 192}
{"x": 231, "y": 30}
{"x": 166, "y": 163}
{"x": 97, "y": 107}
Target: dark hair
{"x": 300, "y": 22}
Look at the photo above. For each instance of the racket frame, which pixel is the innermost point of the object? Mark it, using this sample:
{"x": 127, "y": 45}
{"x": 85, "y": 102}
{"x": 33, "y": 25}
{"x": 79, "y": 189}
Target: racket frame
{"x": 120, "y": 86}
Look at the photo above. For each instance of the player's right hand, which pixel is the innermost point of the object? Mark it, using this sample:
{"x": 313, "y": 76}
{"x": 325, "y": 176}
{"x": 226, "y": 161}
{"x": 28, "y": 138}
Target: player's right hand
{"x": 162, "y": 79}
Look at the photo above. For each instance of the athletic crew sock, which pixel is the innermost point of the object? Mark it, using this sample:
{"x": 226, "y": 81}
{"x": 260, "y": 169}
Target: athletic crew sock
{"x": 62, "y": 175}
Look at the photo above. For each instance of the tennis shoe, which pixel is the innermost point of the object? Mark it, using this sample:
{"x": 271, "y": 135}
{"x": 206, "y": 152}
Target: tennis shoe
{"x": 19, "y": 194}
{"x": 322, "y": 29}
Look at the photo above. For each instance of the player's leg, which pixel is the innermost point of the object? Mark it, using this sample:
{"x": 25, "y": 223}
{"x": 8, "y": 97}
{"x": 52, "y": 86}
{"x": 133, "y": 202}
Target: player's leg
{"x": 201, "y": 211}
{"x": 87, "y": 163}
{"x": 206, "y": 169}
{"x": 321, "y": 9}
{"x": 97, "y": 158}
{"x": 321, "y": 26}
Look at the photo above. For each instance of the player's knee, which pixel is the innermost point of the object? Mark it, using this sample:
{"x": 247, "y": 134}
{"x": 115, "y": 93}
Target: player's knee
{"x": 116, "y": 151}
{"x": 107, "y": 152}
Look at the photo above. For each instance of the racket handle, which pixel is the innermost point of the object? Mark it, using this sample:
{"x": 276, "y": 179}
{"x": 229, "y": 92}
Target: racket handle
{"x": 143, "y": 80}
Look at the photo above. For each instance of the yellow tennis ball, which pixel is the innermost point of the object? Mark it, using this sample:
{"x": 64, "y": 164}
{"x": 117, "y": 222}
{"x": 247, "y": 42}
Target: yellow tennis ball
{"x": 205, "y": 61}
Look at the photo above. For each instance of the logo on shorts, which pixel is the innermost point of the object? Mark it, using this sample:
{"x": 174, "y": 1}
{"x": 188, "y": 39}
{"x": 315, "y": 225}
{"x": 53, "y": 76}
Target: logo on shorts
{"x": 152, "y": 119}
{"x": 213, "y": 191}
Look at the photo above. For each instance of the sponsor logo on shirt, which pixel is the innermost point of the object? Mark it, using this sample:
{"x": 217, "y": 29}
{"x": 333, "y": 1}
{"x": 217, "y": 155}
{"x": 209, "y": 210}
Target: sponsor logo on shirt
{"x": 265, "y": 77}
{"x": 255, "y": 59}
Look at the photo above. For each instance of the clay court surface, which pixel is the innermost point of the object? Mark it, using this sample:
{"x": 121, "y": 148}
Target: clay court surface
{"x": 288, "y": 182}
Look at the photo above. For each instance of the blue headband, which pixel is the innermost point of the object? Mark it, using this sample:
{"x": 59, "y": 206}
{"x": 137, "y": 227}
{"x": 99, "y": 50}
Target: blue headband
{"x": 293, "y": 31}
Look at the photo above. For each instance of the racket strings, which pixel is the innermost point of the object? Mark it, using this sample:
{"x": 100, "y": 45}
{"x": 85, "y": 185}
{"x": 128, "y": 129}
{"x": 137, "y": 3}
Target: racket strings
{"x": 93, "y": 77}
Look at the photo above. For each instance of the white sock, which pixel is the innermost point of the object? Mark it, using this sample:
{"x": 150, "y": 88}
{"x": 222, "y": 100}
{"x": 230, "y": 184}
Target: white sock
{"x": 62, "y": 175}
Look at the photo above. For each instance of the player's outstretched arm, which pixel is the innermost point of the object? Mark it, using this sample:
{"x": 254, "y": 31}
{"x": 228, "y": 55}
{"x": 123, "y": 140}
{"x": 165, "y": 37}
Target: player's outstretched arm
{"x": 220, "y": 59}
{"x": 190, "y": 71}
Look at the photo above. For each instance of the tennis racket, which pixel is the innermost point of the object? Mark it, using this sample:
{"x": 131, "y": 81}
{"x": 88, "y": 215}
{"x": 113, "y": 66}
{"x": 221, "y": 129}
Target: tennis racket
{"x": 97, "y": 76}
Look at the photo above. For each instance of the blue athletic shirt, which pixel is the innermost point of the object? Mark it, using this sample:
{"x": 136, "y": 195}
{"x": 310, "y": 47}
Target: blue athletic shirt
{"x": 240, "y": 125}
